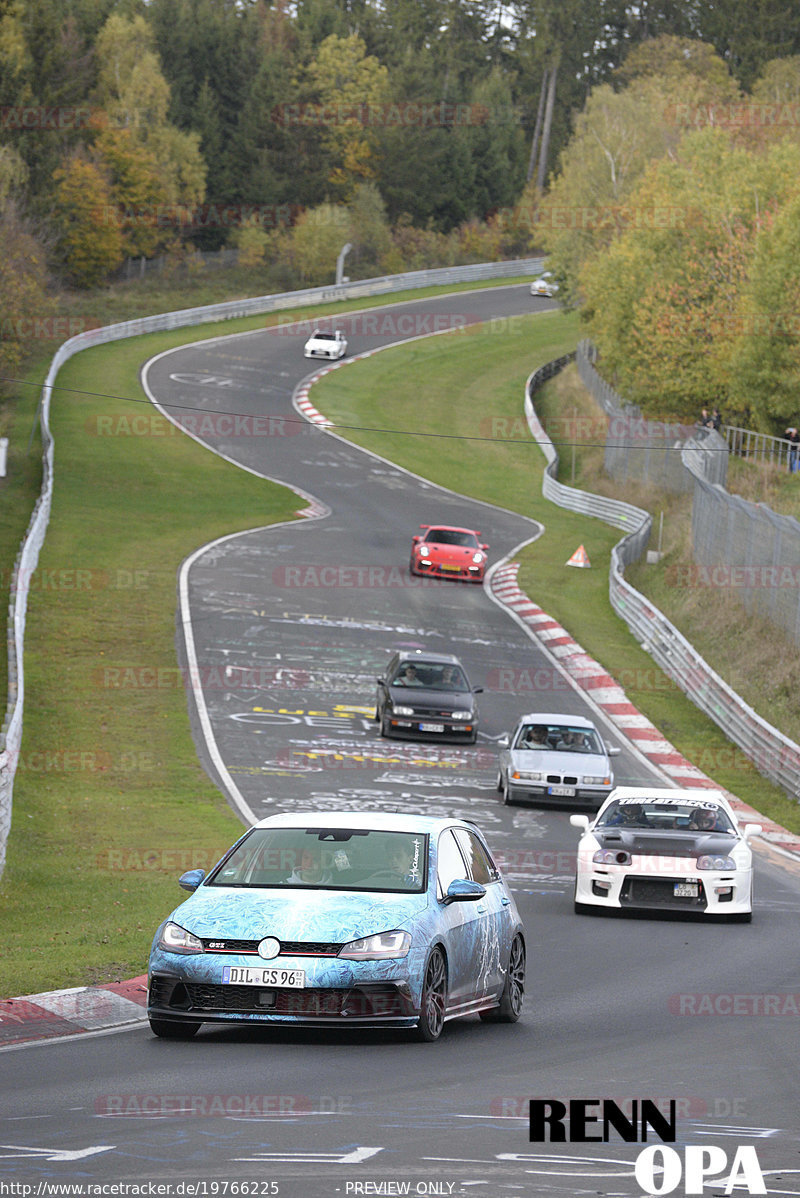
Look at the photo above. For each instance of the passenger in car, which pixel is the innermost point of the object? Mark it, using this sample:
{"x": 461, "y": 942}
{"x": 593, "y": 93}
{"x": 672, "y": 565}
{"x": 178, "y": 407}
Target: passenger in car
{"x": 311, "y": 870}
{"x": 535, "y": 737}
{"x": 573, "y": 742}
{"x": 408, "y": 677}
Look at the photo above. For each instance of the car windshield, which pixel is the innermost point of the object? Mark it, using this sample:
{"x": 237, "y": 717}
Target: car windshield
{"x": 564, "y": 738}
{"x": 320, "y": 336}
{"x": 326, "y": 859}
{"x": 452, "y": 536}
{"x": 432, "y": 675}
{"x": 671, "y": 815}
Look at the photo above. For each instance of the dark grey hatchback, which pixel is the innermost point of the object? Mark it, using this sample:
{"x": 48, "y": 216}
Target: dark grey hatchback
{"x": 424, "y": 695}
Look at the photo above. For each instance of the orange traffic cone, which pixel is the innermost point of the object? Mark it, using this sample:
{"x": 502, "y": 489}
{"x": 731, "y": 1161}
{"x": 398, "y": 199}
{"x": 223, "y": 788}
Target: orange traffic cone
{"x": 580, "y": 558}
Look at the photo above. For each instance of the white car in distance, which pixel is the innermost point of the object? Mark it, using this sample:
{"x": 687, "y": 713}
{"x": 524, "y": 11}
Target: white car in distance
{"x": 325, "y": 344}
{"x": 545, "y": 285}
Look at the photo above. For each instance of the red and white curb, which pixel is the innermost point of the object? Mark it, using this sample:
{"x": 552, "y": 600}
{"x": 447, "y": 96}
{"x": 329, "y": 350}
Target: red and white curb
{"x": 68, "y": 1012}
{"x": 306, "y": 408}
{"x": 609, "y": 696}
{"x": 304, "y": 405}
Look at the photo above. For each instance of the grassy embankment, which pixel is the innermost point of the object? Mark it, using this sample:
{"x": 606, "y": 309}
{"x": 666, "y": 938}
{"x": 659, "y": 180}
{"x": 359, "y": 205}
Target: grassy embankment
{"x": 472, "y": 387}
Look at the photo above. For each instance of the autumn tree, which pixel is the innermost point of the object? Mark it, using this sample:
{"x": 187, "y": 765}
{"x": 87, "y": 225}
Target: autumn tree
{"x": 665, "y": 299}
{"x": 136, "y": 189}
{"x": 134, "y": 93}
{"x": 89, "y": 243}
{"x": 316, "y": 241}
{"x": 350, "y": 88}
{"x": 765, "y": 361}
{"x": 369, "y": 235}
{"x": 23, "y": 280}
{"x": 616, "y": 137}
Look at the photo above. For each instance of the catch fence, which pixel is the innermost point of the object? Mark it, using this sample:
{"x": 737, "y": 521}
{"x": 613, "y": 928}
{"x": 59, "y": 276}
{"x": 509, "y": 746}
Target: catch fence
{"x": 774, "y": 755}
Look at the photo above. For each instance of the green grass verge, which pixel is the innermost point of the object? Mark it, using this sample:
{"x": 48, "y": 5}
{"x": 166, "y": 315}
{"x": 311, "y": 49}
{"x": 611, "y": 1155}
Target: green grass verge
{"x": 472, "y": 387}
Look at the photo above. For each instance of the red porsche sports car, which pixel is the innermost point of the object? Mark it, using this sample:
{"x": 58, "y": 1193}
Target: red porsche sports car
{"x": 442, "y": 551}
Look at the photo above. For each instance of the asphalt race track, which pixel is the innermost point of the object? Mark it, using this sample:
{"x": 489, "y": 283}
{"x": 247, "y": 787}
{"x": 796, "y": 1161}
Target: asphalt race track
{"x": 288, "y": 628}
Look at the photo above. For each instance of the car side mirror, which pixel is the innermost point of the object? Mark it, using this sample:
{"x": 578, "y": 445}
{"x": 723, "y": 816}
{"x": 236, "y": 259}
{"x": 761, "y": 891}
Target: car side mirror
{"x": 477, "y": 690}
{"x": 613, "y": 750}
{"x": 191, "y": 879}
{"x": 503, "y": 742}
{"x": 580, "y": 821}
{"x": 751, "y": 830}
{"x": 484, "y": 546}
{"x": 463, "y": 891}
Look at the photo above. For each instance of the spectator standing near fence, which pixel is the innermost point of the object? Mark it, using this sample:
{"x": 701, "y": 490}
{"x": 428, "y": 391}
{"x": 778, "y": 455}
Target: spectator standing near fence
{"x": 716, "y": 420}
{"x": 793, "y": 437}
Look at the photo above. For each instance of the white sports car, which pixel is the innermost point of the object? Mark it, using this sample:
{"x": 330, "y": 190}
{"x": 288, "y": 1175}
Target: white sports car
{"x": 665, "y": 850}
{"x": 546, "y": 285}
{"x": 323, "y": 344}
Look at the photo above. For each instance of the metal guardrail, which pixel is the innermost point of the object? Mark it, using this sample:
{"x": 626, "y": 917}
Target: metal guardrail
{"x": 27, "y": 559}
{"x": 773, "y": 754}
{"x": 759, "y": 447}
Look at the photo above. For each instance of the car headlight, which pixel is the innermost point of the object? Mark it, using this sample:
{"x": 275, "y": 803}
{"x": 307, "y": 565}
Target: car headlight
{"x": 527, "y": 776}
{"x": 612, "y": 857}
{"x": 462, "y": 715}
{"x": 377, "y": 948}
{"x": 424, "y": 551}
{"x": 403, "y": 710}
{"x": 714, "y": 861}
{"x": 599, "y": 780}
{"x": 477, "y": 558}
{"x": 176, "y": 939}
